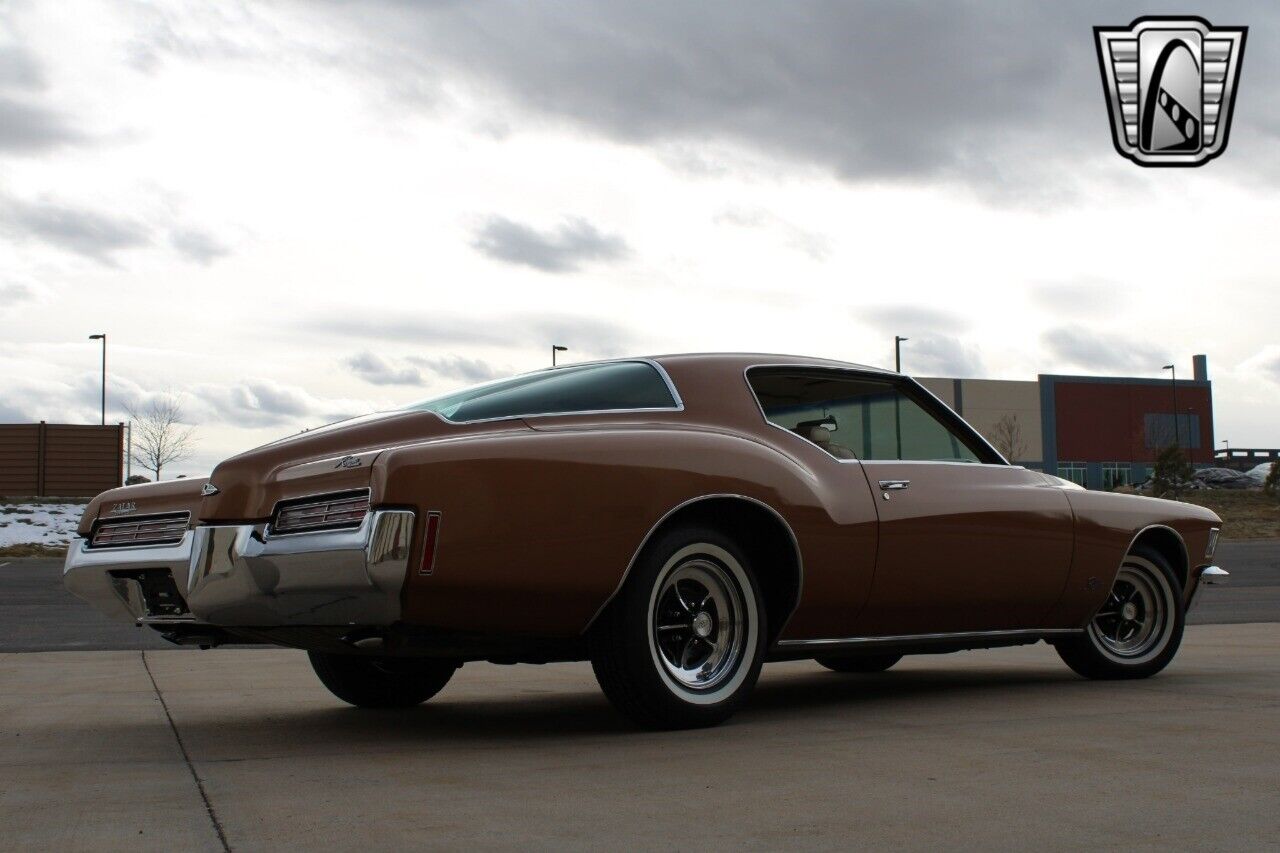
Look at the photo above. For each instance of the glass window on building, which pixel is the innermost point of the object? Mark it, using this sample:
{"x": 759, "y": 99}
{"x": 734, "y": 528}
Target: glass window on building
{"x": 1114, "y": 474}
{"x": 1073, "y": 471}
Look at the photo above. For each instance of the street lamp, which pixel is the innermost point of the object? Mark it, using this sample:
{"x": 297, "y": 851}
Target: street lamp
{"x": 103, "y": 338}
{"x": 555, "y": 348}
{"x": 897, "y": 352}
{"x": 1173, "y": 385}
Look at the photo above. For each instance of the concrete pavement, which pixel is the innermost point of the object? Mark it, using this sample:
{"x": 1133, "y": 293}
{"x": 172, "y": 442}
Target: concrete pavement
{"x": 1003, "y": 748}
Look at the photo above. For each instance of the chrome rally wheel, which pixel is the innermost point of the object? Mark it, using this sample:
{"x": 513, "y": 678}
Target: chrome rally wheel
{"x": 1137, "y": 630}
{"x": 701, "y": 622}
{"x": 1134, "y": 622}
{"x": 682, "y": 643}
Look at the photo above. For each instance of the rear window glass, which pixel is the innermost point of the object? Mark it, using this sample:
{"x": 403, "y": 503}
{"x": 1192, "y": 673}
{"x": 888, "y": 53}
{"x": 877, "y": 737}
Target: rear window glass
{"x": 590, "y": 388}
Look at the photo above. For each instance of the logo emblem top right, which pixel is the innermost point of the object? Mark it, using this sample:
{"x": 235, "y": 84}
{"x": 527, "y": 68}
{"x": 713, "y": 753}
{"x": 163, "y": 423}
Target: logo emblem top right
{"x": 1170, "y": 85}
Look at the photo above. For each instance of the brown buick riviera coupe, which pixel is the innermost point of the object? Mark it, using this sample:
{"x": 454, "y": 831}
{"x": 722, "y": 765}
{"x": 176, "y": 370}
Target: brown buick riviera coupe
{"x": 676, "y": 520}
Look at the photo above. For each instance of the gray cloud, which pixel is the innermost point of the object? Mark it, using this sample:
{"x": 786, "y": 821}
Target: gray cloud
{"x": 907, "y": 90}
{"x": 905, "y": 319}
{"x": 262, "y": 402}
{"x": 199, "y": 246}
{"x": 583, "y": 335}
{"x": 380, "y": 371}
{"x": 11, "y": 294}
{"x": 816, "y": 246}
{"x": 1082, "y": 347}
{"x": 11, "y": 414}
{"x": 1087, "y": 297}
{"x": 19, "y": 69}
{"x": 1264, "y": 363}
{"x": 85, "y": 232}
{"x": 26, "y": 129}
{"x": 941, "y": 355}
{"x": 460, "y": 367}
{"x": 563, "y": 249}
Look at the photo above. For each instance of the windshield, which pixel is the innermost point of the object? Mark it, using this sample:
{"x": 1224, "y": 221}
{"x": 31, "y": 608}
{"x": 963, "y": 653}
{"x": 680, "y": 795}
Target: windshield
{"x": 611, "y": 386}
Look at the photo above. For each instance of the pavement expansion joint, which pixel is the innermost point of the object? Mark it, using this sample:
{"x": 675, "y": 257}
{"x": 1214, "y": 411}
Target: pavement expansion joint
{"x": 186, "y": 757}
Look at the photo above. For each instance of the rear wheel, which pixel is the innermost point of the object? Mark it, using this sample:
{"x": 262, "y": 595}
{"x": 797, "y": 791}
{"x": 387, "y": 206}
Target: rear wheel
{"x": 859, "y": 663}
{"x": 1138, "y": 629}
{"x": 382, "y": 682}
{"x": 682, "y": 644}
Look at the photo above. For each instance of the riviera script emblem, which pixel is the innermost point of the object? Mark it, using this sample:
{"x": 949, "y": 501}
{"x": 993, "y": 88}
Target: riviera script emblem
{"x": 1170, "y": 85}
{"x": 348, "y": 462}
{"x": 127, "y": 506}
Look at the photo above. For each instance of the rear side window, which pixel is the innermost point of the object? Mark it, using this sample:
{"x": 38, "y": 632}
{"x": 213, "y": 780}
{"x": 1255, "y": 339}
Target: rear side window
{"x": 619, "y": 385}
{"x": 855, "y": 418}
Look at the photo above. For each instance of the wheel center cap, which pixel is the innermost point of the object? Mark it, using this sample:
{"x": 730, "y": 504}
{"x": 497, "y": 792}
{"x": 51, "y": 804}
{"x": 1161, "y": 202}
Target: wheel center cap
{"x": 702, "y": 624}
{"x": 1129, "y": 612}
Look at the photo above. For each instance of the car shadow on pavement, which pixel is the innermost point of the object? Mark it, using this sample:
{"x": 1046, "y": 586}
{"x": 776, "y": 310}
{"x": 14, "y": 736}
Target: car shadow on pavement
{"x": 535, "y": 716}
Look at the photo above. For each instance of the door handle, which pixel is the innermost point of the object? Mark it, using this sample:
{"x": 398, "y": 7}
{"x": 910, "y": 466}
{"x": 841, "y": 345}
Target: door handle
{"x": 894, "y": 485}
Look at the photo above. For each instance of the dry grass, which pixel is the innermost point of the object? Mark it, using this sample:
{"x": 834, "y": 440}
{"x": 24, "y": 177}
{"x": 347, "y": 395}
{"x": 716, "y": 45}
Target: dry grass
{"x": 32, "y": 550}
{"x": 1244, "y": 514}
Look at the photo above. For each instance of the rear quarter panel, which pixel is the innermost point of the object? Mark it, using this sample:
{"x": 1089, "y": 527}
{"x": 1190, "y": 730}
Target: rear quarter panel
{"x": 538, "y": 529}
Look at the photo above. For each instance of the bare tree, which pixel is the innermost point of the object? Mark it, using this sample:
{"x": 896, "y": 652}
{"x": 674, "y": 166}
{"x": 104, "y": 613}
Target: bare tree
{"x": 159, "y": 436}
{"x": 1007, "y": 437}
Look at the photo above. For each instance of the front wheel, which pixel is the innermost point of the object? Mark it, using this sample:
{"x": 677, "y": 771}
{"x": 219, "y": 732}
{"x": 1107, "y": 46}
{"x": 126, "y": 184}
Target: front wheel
{"x": 382, "y": 682}
{"x": 682, "y": 644}
{"x": 1138, "y": 629}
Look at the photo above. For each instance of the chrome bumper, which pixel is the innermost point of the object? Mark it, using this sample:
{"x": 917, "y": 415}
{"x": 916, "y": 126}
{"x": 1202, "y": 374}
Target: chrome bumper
{"x": 1213, "y": 576}
{"x": 1207, "y": 576}
{"x": 237, "y": 575}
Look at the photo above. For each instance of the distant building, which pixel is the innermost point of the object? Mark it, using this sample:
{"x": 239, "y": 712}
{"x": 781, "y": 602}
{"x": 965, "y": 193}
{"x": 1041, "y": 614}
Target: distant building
{"x": 1099, "y": 431}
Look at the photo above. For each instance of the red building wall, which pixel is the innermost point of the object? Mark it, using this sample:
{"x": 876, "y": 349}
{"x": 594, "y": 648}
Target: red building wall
{"x": 1106, "y": 421}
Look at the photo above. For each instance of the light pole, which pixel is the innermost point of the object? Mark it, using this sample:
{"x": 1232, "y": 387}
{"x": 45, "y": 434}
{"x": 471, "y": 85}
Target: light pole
{"x": 1173, "y": 385}
{"x": 103, "y": 338}
{"x": 897, "y": 352}
{"x": 555, "y": 348}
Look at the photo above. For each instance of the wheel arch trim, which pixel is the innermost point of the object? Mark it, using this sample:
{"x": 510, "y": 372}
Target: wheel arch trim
{"x": 1183, "y": 569}
{"x": 685, "y": 504}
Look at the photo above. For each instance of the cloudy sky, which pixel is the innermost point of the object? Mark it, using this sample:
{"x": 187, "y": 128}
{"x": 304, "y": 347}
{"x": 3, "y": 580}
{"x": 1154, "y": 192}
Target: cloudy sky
{"x": 292, "y": 212}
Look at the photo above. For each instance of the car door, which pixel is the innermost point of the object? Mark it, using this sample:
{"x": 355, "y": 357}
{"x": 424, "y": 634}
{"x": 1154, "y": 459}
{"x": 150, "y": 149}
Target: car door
{"x": 966, "y": 542}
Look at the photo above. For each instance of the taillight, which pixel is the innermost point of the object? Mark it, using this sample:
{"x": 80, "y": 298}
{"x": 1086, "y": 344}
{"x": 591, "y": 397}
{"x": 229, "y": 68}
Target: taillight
{"x": 153, "y": 530}
{"x": 328, "y": 512}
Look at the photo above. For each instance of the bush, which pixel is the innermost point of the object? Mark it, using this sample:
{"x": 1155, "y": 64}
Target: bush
{"x": 136, "y": 480}
{"x": 1271, "y": 485}
{"x": 1172, "y": 472}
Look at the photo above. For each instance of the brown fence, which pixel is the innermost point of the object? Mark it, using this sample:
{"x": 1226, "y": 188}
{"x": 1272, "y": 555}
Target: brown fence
{"x": 62, "y": 460}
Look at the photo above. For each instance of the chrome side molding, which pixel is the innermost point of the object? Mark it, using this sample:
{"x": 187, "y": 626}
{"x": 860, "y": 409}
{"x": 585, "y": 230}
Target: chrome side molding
{"x": 838, "y": 642}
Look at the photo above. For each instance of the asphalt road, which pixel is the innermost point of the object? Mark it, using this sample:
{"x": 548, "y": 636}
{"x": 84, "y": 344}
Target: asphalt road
{"x": 38, "y": 614}
{"x": 1003, "y": 749}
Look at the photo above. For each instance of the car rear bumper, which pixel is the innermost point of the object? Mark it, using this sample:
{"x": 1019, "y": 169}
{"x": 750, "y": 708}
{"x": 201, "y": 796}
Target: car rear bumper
{"x": 241, "y": 576}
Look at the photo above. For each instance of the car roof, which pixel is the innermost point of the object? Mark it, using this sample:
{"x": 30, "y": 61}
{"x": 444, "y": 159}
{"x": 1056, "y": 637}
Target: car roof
{"x": 754, "y": 359}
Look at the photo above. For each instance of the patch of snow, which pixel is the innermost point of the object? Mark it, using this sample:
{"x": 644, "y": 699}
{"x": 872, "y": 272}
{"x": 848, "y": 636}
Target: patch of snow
{"x": 38, "y": 523}
{"x": 1258, "y": 473}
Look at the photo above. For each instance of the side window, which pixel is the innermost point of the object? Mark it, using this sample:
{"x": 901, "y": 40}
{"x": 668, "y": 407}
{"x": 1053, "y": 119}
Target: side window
{"x": 855, "y": 418}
